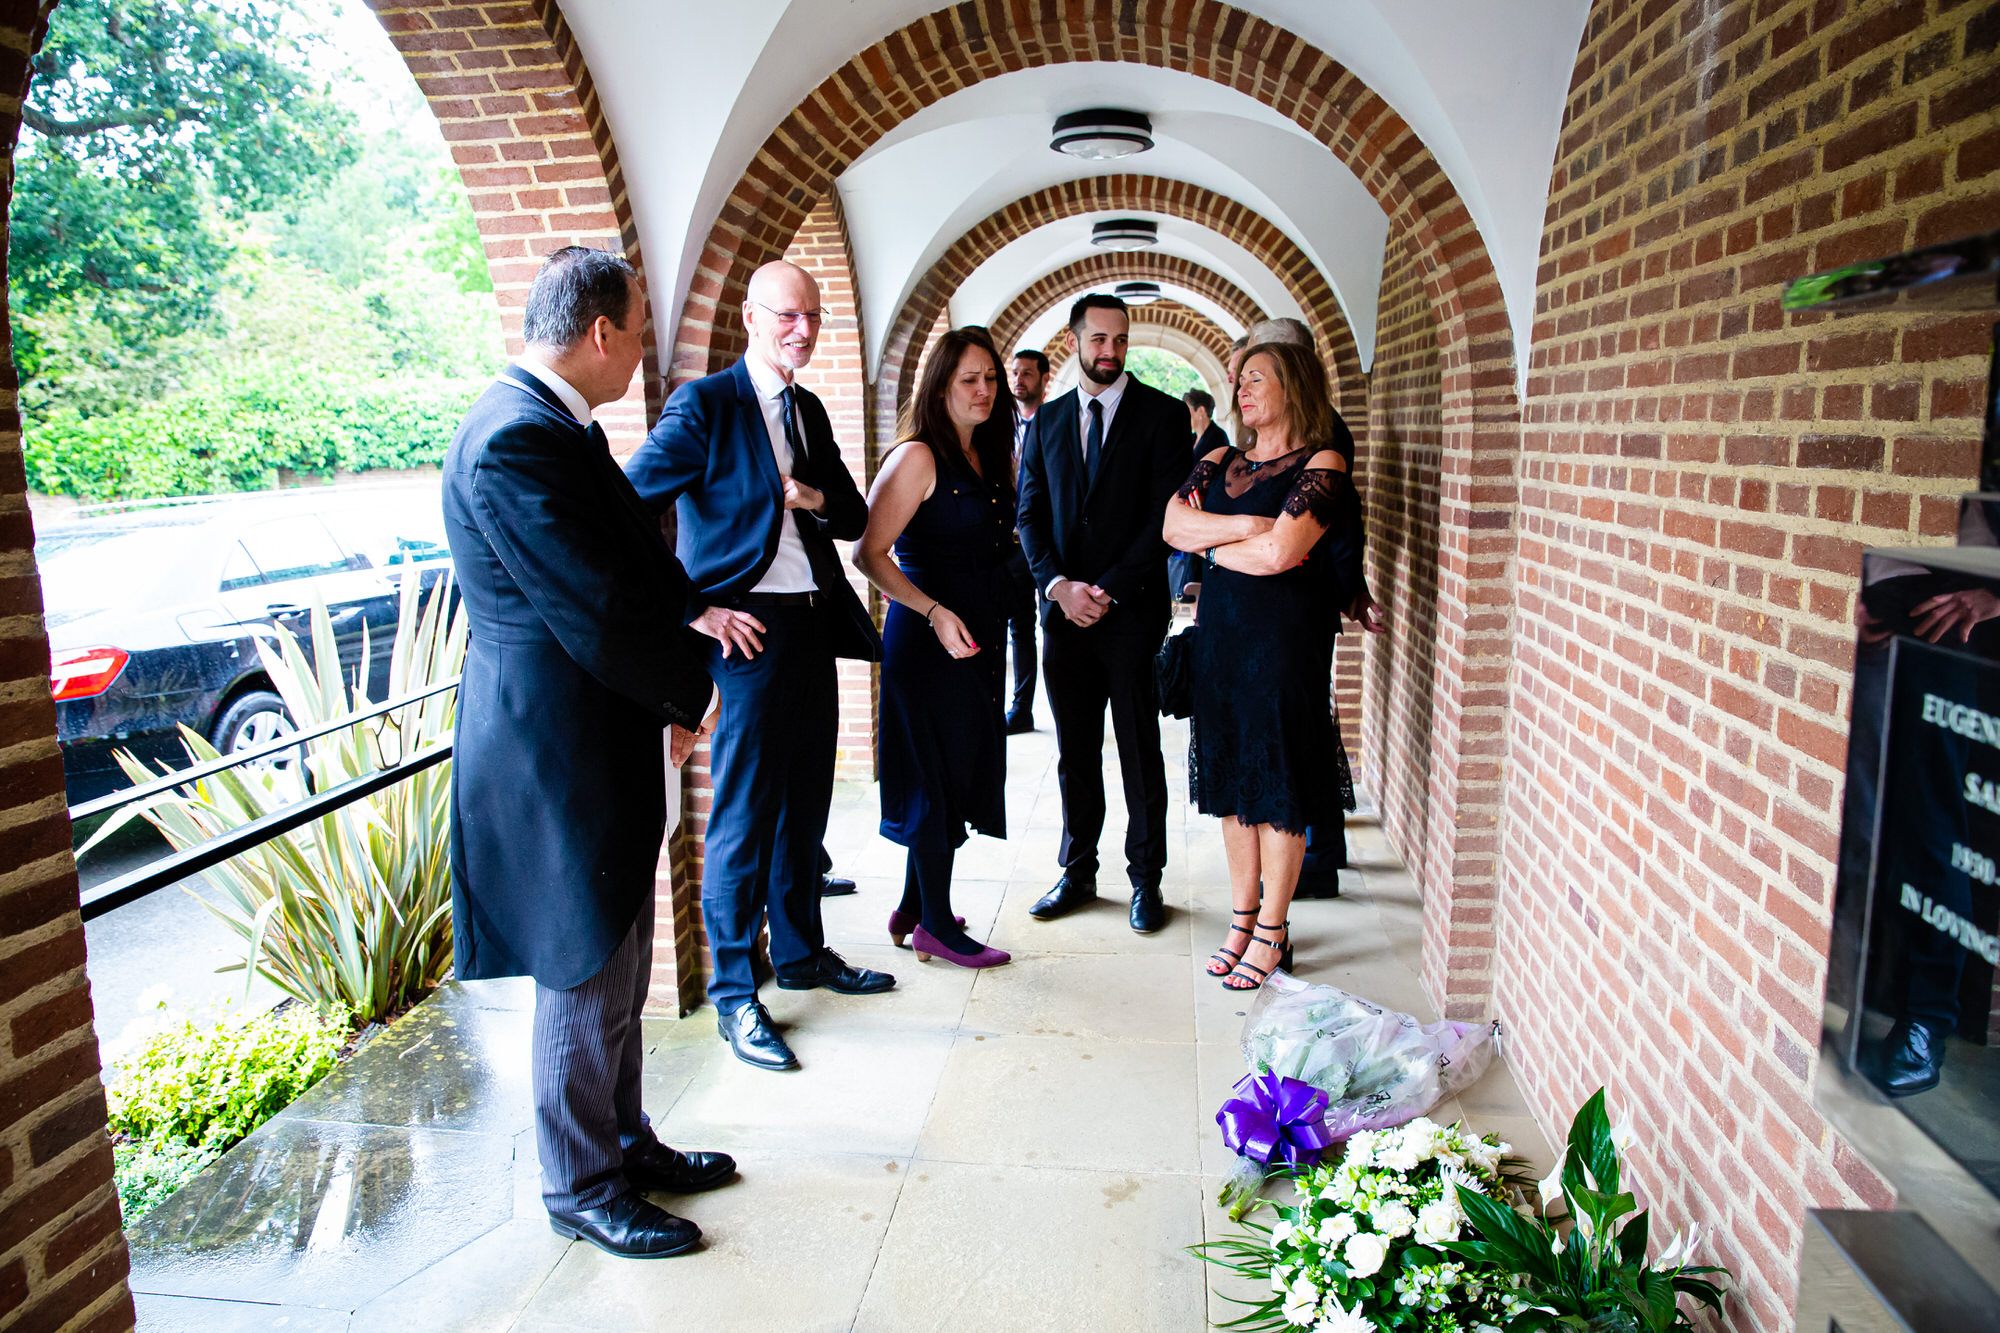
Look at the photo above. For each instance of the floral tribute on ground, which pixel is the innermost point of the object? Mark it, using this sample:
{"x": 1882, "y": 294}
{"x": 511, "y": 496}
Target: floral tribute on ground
{"x": 1426, "y": 1229}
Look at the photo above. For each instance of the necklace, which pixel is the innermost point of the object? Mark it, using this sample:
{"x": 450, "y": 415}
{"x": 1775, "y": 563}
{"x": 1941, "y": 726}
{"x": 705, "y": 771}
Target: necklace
{"x": 1252, "y": 464}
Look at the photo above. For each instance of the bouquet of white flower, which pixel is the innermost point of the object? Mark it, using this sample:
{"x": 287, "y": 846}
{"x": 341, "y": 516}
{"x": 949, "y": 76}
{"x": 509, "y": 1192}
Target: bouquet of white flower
{"x": 1361, "y": 1248}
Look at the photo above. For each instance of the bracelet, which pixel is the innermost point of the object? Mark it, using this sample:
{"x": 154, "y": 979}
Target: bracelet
{"x": 1208, "y": 558}
{"x": 933, "y": 611}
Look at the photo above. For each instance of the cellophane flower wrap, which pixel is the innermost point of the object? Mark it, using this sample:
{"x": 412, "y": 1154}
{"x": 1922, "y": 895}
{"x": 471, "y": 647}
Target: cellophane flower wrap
{"x": 1378, "y": 1067}
{"x": 1359, "y": 1249}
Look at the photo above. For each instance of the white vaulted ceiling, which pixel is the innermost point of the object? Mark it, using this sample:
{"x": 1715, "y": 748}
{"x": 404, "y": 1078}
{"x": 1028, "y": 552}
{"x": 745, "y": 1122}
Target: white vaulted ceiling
{"x": 691, "y": 90}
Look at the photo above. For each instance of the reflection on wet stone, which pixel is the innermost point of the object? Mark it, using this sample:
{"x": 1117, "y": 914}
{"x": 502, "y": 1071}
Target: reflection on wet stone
{"x": 330, "y": 1214}
{"x": 444, "y": 1065}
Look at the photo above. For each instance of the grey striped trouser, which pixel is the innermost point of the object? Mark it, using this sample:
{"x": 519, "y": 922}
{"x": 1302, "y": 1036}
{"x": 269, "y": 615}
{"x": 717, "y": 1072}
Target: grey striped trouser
{"x": 589, "y": 1051}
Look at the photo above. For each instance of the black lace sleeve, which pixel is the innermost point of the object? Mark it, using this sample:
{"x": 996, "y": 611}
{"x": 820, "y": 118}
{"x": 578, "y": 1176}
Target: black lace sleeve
{"x": 1318, "y": 492}
{"x": 1198, "y": 480}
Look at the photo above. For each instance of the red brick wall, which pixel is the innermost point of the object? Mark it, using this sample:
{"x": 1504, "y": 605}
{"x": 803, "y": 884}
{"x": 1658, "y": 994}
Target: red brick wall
{"x": 1069, "y": 281}
{"x": 837, "y": 374}
{"x": 62, "y": 1255}
{"x": 1396, "y": 469}
{"x": 1699, "y": 474}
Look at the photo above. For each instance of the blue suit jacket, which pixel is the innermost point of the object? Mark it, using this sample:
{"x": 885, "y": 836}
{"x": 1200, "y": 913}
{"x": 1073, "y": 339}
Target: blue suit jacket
{"x": 709, "y": 459}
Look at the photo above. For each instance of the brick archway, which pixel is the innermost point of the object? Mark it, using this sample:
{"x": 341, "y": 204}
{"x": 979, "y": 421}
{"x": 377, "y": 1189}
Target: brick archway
{"x": 1453, "y": 849}
{"x": 1052, "y": 289}
{"x": 1124, "y": 193}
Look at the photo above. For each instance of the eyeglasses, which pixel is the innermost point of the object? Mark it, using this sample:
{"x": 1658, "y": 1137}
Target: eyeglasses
{"x": 789, "y": 317}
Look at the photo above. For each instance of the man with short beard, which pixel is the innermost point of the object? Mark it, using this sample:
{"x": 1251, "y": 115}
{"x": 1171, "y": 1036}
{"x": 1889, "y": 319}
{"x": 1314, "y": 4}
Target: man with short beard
{"x": 1098, "y": 466}
{"x": 748, "y": 461}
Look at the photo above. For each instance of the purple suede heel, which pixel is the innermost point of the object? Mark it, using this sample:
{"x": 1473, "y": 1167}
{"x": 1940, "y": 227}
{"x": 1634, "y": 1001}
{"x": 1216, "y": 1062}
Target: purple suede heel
{"x": 928, "y": 948}
{"x": 900, "y": 927}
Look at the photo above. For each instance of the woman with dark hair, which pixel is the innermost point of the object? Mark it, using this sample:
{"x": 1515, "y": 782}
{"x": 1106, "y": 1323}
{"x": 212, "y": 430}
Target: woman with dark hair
{"x": 940, "y": 530}
{"x": 1275, "y": 520}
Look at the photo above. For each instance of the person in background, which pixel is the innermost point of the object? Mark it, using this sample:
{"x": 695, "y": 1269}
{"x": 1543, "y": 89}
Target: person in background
{"x": 1183, "y": 570}
{"x": 748, "y": 460}
{"x": 576, "y": 661}
{"x": 1273, "y": 518}
{"x": 940, "y": 531}
{"x": 1098, "y": 466}
{"x": 1029, "y": 380}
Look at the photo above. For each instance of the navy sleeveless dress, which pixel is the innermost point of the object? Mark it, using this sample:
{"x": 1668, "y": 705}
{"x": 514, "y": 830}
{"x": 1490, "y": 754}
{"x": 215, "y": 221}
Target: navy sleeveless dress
{"x": 1264, "y": 744}
{"x": 944, "y": 742}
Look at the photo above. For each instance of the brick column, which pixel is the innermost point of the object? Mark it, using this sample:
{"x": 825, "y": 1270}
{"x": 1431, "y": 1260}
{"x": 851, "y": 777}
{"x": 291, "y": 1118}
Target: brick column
{"x": 62, "y": 1255}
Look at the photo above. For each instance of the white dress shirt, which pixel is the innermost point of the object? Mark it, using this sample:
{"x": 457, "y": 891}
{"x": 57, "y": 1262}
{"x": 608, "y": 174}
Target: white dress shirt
{"x": 790, "y": 570}
{"x": 1110, "y": 395}
{"x": 560, "y": 387}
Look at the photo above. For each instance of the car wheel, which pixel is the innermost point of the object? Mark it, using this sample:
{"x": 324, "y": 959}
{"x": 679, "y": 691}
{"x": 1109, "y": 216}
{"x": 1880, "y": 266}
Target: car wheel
{"x": 252, "y": 720}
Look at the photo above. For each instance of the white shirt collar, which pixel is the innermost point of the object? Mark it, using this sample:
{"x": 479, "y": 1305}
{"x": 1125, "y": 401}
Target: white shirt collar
{"x": 768, "y": 381}
{"x": 1109, "y": 395}
{"x": 560, "y": 387}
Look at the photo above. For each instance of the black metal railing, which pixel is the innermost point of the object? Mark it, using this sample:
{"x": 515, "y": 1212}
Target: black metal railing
{"x": 157, "y": 875}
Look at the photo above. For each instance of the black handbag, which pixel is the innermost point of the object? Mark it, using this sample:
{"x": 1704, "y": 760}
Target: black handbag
{"x": 1173, "y": 674}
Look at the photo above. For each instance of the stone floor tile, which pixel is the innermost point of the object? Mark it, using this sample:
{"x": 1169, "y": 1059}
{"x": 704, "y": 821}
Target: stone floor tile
{"x": 1104, "y": 926}
{"x": 927, "y": 996}
{"x": 1052, "y": 1101}
{"x": 1108, "y": 997}
{"x": 789, "y": 1247}
{"x": 503, "y": 993}
{"x": 479, "y": 1287}
{"x": 1218, "y": 1070}
{"x": 863, "y": 920}
{"x": 862, "y": 1090}
{"x": 187, "y": 1314}
{"x": 441, "y": 1066}
{"x": 985, "y": 1247}
{"x": 323, "y": 1213}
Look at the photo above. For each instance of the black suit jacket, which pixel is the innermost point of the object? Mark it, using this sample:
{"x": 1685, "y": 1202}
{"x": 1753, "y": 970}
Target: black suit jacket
{"x": 576, "y": 660}
{"x": 1107, "y": 533}
{"x": 709, "y": 459}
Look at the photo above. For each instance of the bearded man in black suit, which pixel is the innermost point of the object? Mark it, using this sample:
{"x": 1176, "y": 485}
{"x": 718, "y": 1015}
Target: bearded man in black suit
{"x": 1098, "y": 465}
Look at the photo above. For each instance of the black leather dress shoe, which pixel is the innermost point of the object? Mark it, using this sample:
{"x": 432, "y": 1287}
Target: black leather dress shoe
{"x": 755, "y": 1041}
{"x": 833, "y": 886}
{"x": 1148, "y": 912}
{"x": 1323, "y": 884}
{"x": 1912, "y": 1060}
{"x": 629, "y": 1227}
{"x": 658, "y": 1167}
{"x": 834, "y": 973}
{"x": 1019, "y": 724}
{"x": 1069, "y": 894}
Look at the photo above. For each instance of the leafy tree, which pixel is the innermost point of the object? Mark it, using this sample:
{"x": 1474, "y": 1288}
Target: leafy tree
{"x": 1163, "y": 370}
{"x": 150, "y": 125}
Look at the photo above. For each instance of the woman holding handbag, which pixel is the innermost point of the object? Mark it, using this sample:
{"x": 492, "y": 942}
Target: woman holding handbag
{"x": 1274, "y": 522}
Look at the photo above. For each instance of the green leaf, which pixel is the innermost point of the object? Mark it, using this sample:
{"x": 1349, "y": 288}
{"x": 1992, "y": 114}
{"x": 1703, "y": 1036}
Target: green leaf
{"x": 1590, "y": 1144}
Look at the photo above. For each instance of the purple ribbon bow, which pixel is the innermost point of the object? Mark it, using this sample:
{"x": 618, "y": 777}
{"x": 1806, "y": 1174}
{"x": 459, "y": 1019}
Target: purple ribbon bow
{"x": 1272, "y": 1118}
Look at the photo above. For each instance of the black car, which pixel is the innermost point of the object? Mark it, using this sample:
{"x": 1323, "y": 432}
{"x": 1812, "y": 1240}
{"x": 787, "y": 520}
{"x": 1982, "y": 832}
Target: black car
{"x": 154, "y": 608}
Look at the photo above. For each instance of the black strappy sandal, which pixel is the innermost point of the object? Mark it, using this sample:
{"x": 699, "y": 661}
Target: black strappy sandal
{"x": 1243, "y": 969}
{"x": 1231, "y": 954}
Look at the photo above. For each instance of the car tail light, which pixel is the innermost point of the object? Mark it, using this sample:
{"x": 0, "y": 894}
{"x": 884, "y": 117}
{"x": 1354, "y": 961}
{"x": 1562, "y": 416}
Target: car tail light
{"x": 84, "y": 673}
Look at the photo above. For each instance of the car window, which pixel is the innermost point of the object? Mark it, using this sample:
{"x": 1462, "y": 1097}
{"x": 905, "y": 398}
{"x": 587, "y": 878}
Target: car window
{"x": 89, "y": 570}
{"x": 393, "y": 537}
{"x": 238, "y": 571}
{"x": 293, "y": 548}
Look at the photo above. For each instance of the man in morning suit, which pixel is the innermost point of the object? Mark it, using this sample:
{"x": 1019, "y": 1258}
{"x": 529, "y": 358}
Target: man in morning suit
{"x": 748, "y": 461}
{"x": 576, "y": 661}
{"x": 1098, "y": 466}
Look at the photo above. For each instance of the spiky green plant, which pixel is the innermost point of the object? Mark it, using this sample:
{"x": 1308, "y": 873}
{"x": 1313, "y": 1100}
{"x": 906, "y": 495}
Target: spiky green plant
{"x": 351, "y": 912}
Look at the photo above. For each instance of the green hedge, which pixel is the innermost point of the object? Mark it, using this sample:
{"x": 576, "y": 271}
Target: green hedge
{"x": 231, "y": 437}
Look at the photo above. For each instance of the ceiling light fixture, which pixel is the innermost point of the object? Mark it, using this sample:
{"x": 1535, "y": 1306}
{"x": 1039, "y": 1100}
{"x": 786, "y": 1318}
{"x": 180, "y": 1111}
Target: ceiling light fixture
{"x": 1102, "y": 134}
{"x": 1138, "y": 293}
{"x": 1125, "y": 234}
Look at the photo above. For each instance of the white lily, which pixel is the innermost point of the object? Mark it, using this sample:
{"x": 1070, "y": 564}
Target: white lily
{"x": 1550, "y": 1187}
{"x": 1622, "y": 1136}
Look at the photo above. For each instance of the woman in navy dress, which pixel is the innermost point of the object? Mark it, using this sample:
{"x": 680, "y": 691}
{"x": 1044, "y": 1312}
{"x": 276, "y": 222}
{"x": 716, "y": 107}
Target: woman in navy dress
{"x": 1277, "y": 523}
{"x": 944, "y": 504}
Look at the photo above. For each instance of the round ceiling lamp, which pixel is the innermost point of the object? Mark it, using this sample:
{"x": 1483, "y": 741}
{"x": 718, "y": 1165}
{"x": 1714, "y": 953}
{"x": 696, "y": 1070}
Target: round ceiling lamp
{"x": 1102, "y": 134}
{"x": 1125, "y": 234}
{"x": 1137, "y": 293}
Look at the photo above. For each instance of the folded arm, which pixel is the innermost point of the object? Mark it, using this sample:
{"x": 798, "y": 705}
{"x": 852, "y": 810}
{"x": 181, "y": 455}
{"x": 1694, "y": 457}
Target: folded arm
{"x": 1312, "y": 507}
{"x": 1188, "y": 527}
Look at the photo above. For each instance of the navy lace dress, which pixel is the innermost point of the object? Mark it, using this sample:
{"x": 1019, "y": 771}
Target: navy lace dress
{"x": 1265, "y": 747}
{"x": 944, "y": 741}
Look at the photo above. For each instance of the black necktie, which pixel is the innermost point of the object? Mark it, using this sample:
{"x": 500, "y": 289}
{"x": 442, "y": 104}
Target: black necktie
{"x": 793, "y": 440}
{"x": 1093, "y": 442}
{"x": 597, "y": 437}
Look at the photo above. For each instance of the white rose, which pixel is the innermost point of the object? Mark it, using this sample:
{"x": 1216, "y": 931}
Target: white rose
{"x": 1401, "y": 1155}
{"x": 1335, "y": 1229}
{"x": 1365, "y": 1253}
{"x": 1342, "y": 1189}
{"x": 1361, "y": 1151}
{"x": 1421, "y": 1137}
{"x": 1393, "y": 1219}
{"x": 1438, "y": 1222}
